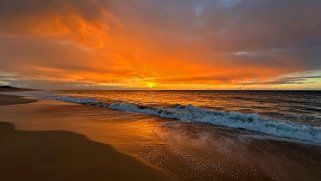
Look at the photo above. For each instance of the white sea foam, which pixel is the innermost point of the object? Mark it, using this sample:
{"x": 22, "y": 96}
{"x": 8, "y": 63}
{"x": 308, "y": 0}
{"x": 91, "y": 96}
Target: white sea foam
{"x": 190, "y": 113}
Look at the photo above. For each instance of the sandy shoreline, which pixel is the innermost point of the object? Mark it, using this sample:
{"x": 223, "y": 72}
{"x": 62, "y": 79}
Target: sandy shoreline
{"x": 10, "y": 100}
{"x": 157, "y": 148}
{"x": 63, "y": 155}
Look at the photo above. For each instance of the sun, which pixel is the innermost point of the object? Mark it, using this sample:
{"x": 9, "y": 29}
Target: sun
{"x": 150, "y": 85}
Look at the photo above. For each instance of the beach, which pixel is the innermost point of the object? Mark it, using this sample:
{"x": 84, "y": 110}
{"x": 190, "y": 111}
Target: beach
{"x": 189, "y": 90}
{"x": 54, "y": 140}
{"x": 11, "y": 99}
{"x": 46, "y": 153}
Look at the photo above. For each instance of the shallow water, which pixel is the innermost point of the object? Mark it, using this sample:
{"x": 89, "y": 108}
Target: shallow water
{"x": 189, "y": 151}
{"x": 288, "y": 114}
{"x": 296, "y": 106}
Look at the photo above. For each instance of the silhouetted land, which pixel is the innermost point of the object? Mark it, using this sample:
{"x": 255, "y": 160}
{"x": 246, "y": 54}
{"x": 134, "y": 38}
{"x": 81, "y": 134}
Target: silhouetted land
{"x": 10, "y": 88}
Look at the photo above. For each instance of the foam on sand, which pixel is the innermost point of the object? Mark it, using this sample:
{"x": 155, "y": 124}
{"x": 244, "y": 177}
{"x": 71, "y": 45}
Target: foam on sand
{"x": 190, "y": 113}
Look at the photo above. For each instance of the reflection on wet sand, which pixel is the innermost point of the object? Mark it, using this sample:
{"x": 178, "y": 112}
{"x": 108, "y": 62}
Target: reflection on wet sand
{"x": 187, "y": 151}
{"x": 61, "y": 155}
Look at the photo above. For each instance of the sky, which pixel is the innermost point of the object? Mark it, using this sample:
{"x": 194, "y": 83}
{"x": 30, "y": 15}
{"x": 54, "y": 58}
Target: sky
{"x": 161, "y": 44}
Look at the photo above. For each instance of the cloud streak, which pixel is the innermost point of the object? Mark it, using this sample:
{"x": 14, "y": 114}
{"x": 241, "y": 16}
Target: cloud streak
{"x": 172, "y": 42}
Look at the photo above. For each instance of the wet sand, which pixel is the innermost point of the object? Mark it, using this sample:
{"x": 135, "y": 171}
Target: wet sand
{"x": 9, "y": 100}
{"x": 186, "y": 151}
{"x": 63, "y": 155}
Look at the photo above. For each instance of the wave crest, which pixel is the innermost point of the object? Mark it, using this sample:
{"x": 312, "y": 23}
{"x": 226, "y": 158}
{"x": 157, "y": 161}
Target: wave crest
{"x": 190, "y": 113}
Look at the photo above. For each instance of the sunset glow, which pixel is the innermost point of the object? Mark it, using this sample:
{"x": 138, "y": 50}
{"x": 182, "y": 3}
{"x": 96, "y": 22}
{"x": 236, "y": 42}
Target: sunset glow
{"x": 160, "y": 90}
{"x": 151, "y": 85}
{"x": 110, "y": 44}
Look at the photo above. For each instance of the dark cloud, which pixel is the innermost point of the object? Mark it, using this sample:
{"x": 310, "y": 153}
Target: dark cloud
{"x": 231, "y": 40}
{"x": 219, "y": 29}
{"x": 15, "y": 14}
{"x": 286, "y": 80}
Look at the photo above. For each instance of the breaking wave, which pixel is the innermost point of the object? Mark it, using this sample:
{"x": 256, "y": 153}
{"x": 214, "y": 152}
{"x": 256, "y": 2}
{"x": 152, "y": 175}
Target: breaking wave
{"x": 190, "y": 113}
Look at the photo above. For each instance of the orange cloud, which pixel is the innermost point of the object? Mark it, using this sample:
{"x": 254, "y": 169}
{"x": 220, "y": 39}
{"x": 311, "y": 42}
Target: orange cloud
{"x": 164, "y": 43}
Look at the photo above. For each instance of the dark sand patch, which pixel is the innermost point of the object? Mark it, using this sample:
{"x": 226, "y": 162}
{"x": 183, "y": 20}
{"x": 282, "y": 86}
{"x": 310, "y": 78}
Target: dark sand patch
{"x": 11, "y": 99}
{"x": 62, "y": 155}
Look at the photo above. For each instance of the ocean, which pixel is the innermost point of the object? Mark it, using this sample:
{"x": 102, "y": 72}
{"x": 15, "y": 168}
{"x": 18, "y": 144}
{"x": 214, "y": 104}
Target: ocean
{"x": 294, "y": 115}
{"x": 194, "y": 135}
